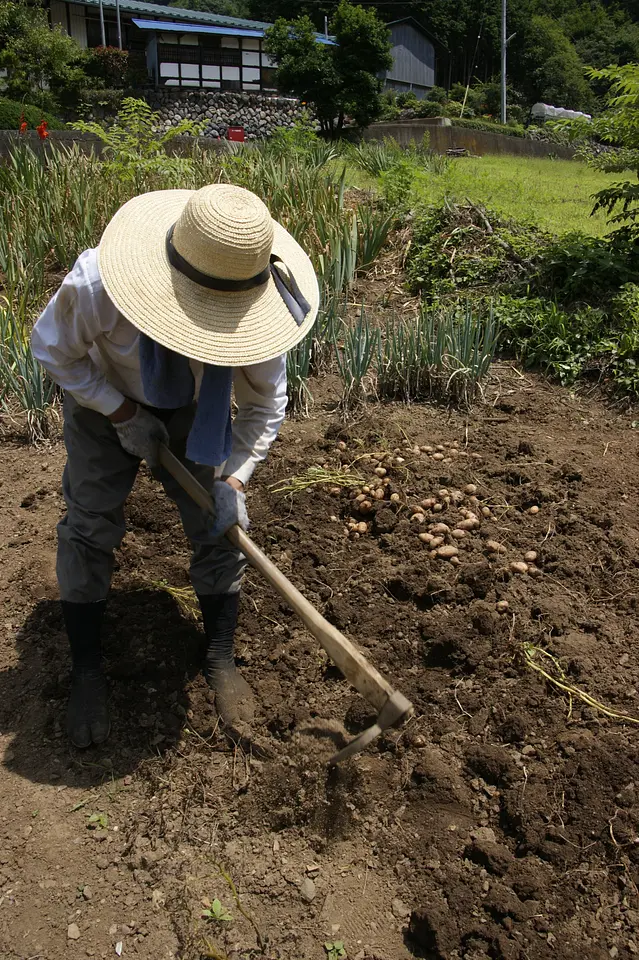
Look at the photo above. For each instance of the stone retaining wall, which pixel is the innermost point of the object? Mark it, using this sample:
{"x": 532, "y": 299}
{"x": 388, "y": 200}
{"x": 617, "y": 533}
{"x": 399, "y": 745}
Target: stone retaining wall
{"x": 259, "y": 115}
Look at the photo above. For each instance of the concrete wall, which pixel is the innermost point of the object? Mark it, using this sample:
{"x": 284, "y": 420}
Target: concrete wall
{"x": 477, "y": 142}
{"x": 90, "y": 144}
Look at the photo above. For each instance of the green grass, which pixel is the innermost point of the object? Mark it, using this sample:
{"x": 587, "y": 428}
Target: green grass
{"x": 554, "y": 194}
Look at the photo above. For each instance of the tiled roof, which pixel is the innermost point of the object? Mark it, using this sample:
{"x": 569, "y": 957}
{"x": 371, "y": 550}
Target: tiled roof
{"x": 157, "y": 10}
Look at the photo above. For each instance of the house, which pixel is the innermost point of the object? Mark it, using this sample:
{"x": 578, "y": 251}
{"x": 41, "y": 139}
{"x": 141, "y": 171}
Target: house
{"x": 183, "y": 48}
{"x": 413, "y": 55}
{"x": 191, "y": 48}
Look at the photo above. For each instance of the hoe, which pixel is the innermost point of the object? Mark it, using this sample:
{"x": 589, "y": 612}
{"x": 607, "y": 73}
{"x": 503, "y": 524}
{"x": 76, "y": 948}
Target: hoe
{"x": 392, "y": 706}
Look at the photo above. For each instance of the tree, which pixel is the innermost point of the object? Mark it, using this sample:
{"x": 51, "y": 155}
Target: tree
{"x": 556, "y": 74}
{"x": 340, "y": 79}
{"x": 44, "y": 66}
{"x": 618, "y": 125}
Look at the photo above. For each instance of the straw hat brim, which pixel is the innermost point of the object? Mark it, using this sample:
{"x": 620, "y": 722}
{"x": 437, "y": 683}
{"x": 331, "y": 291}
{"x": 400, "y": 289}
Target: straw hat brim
{"x": 228, "y": 329}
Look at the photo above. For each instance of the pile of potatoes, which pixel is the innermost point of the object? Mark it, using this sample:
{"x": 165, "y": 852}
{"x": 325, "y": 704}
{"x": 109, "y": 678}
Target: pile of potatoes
{"x": 462, "y": 509}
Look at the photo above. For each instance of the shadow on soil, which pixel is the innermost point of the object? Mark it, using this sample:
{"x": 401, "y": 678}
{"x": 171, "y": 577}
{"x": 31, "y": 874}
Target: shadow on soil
{"x": 151, "y": 653}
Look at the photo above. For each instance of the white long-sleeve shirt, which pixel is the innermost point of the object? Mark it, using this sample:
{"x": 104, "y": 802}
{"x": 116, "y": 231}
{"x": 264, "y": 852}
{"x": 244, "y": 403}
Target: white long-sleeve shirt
{"x": 91, "y": 350}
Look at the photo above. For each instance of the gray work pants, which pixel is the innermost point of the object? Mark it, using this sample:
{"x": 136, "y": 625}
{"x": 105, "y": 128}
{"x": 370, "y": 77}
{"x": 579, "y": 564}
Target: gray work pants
{"x": 97, "y": 480}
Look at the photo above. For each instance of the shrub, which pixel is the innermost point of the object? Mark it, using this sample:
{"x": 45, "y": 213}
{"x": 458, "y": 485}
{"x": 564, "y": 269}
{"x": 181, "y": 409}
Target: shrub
{"x": 108, "y": 65}
{"x": 390, "y": 108}
{"x": 407, "y": 99}
{"x": 429, "y": 108}
{"x": 397, "y": 187}
{"x": 12, "y": 114}
{"x": 438, "y": 95}
{"x": 453, "y": 109}
{"x": 133, "y": 148}
{"x": 98, "y": 103}
{"x": 592, "y": 269}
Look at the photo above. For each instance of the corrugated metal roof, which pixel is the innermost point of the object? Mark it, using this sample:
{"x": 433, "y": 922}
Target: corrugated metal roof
{"x": 181, "y": 27}
{"x": 177, "y": 13}
{"x": 195, "y": 28}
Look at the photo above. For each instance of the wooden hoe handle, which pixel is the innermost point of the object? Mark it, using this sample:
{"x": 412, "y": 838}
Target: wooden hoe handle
{"x": 355, "y": 667}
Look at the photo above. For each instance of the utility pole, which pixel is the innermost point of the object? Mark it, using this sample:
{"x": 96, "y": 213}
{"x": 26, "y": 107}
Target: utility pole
{"x": 504, "y": 45}
{"x": 117, "y": 16}
{"x": 102, "y": 30}
{"x": 326, "y": 27}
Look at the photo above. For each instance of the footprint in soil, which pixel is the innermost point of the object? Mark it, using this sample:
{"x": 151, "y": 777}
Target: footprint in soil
{"x": 151, "y": 652}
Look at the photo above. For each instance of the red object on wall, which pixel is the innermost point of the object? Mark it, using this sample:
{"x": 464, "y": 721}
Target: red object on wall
{"x": 237, "y": 134}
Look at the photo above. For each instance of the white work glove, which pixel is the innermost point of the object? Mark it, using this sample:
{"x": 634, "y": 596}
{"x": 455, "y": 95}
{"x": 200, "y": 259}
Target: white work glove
{"x": 142, "y": 435}
{"x": 230, "y": 508}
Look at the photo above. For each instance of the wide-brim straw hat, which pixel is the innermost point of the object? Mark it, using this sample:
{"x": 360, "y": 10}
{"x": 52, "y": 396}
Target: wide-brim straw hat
{"x": 226, "y": 234}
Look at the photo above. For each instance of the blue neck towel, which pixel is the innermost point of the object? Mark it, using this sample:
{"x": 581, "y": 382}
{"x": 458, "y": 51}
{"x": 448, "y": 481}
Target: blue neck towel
{"x": 168, "y": 383}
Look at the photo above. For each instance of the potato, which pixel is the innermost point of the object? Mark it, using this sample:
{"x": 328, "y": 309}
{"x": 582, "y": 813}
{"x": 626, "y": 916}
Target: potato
{"x": 457, "y": 496}
{"x": 447, "y": 552}
{"x": 531, "y": 556}
{"x": 495, "y": 547}
{"x": 360, "y": 497}
{"x": 426, "y": 537}
{"x": 379, "y": 493}
{"x": 436, "y": 541}
{"x": 335, "y": 491}
{"x": 440, "y": 446}
{"x": 502, "y": 606}
{"x": 380, "y": 471}
{"x": 395, "y": 497}
{"x": 459, "y": 534}
{"x": 518, "y": 566}
{"x": 341, "y": 445}
{"x": 486, "y": 512}
{"x": 365, "y": 506}
{"x": 399, "y": 460}
{"x": 428, "y": 503}
{"x": 417, "y": 518}
{"x": 533, "y": 510}
{"x": 426, "y": 449}
{"x": 442, "y": 493}
{"x": 438, "y": 456}
{"x": 438, "y": 507}
{"x": 366, "y": 489}
{"x": 439, "y": 528}
{"x": 534, "y": 571}
{"x": 470, "y": 489}
{"x": 470, "y": 523}
{"x": 362, "y": 527}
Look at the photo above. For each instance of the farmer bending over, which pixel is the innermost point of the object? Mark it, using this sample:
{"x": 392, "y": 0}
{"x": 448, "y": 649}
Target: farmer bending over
{"x": 189, "y": 294}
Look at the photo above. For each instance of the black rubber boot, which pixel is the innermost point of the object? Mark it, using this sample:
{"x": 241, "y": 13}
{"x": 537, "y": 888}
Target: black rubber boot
{"x": 88, "y": 713}
{"x": 234, "y": 699}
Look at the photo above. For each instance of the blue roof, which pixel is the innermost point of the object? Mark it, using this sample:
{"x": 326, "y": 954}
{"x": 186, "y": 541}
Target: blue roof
{"x": 169, "y": 27}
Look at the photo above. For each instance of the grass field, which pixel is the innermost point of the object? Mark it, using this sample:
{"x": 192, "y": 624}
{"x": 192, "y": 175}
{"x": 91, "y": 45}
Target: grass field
{"x": 555, "y": 194}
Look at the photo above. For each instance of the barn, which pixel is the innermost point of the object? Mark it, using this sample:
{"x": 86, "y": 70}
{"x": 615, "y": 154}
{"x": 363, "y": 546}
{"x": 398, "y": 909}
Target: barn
{"x": 413, "y": 55}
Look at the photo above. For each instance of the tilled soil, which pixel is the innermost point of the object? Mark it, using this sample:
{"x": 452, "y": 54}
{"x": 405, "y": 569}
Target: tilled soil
{"x": 500, "y": 822}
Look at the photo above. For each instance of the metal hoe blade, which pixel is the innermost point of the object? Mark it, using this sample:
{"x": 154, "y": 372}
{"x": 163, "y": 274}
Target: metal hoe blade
{"x": 396, "y": 709}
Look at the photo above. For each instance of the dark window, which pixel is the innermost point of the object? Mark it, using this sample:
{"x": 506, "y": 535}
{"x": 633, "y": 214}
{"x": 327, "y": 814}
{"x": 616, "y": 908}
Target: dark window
{"x": 94, "y": 33}
{"x": 231, "y": 85}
